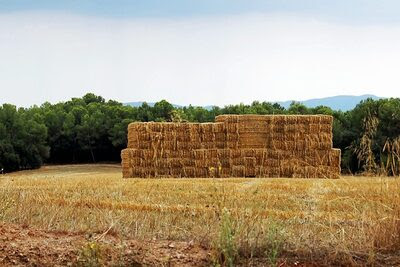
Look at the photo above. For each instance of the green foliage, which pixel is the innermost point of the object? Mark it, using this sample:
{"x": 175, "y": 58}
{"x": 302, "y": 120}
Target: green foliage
{"x": 225, "y": 246}
{"x": 273, "y": 242}
{"x": 22, "y": 138}
{"x": 91, "y": 255}
{"x": 90, "y": 129}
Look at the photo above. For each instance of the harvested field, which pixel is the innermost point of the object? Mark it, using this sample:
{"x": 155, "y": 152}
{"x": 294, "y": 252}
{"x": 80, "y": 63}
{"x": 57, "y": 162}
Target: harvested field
{"x": 348, "y": 221}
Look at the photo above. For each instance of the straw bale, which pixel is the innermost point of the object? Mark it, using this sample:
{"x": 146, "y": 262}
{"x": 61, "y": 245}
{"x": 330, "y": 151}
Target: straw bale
{"x": 291, "y": 120}
{"x": 126, "y": 152}
{"x": 225, "y": 162}
{"x": 136, "y": 126}
{"x": 183, "y": 145}
{"x": 182, "y": 127}
{"x": 155, "y": 127}
{"x": 250, "y": 171}
{"x": 326, "y": 128}
{"x": 167, "y": 153}
{"x": 195, "y": 127}
{"x": 200, "y": 154}
{"x": 290, "y": 128}
{"x": 187, "y": 162}
{"x": 163, "y": 163}
{"x": 334, "y": 158}
{"x": 238, "y": 161}
{"x": 236, "y": 153}
{"x": 238, "y": 171}
{"x": 232, "y": 137}
{"x": 195, "y": 137}
{"x": 212, "y": 162}
{"x": 249, "y": 152}
{"x": 218, "y": 127}
{"x": 207, "y": 137}
{"x": 271, "y": 162}
{"x": 315, "y": 119}
{"x": 278, "y": 128}
{"x": 189, "y": 172}
{"x": 144, "y": 145}
{"x": 252, "y": 145}
{"x": 196, "y": 145}
{"x": 289, "y": 145}
{"x": 147, "y": 154}
{"x": 273, "y": 172}
{"x": 212, "y": 153}
{"x": 223, "y": 153}
{"x": 225, "y": 172}
{"x": 207, "y": 145}
{"x": 133, "y": 144}
{"x": 232, "y": 145}
{"x": 185, "y": 153}
{"x": 301, "y": 119}
{"x": 314, "y": 128}
{"x": 325, "y": 119}
{"x": 227, "y": 118}
{"x": 301, "y": 128}
{"x": 168, "y": 145}
{"x": 135, "y": 161}
{"x": 250, "y": 164}
{"x": 220, "y": 145}
{"x": 220, "y": 136}
{"x": 175, "y": 163}
{"x": 176, "y": 172}
{"x": 206, "y": 127}
{"x": 201, "y": 172}
{"x": 253, "y": 126}
{"x": 147, "y": 164}
{"x": 162, "y": 172}
{"x": 325, "y": 138}
{"x": 232, "y": 128}
{"x": 286, "y": 171}
{"x": 135, "y": 152}
{"x": 198, "y": 163}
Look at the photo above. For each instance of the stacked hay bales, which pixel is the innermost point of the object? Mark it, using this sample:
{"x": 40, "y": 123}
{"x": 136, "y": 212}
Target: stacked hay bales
{"x": 233, "y": 146}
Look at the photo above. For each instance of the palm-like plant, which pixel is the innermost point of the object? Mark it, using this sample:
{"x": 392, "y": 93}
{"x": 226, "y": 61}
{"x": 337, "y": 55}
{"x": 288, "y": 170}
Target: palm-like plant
{"x": 363, "y": 150}
{"x": 392, "y": 150}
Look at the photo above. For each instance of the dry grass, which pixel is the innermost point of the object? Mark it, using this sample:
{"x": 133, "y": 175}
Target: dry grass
{"x": 350, "y": 221}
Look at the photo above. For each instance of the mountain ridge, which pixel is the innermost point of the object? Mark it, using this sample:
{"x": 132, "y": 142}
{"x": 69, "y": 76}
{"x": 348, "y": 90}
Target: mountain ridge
{"x": 338, "y": 102}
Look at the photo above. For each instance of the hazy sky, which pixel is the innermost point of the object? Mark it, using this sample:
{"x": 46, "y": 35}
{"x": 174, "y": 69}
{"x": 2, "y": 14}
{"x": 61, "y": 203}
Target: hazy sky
{"x": 199, "y": 52}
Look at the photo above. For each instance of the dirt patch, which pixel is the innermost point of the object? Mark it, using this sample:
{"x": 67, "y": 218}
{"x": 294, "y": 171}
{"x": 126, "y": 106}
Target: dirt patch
{"x": 25, "y": 246}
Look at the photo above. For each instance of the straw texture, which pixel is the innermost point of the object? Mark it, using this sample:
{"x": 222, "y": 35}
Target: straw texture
{"x": 233, "y": 146}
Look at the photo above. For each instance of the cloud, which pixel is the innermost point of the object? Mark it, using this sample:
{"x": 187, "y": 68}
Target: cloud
{"x": 193, "y": 60}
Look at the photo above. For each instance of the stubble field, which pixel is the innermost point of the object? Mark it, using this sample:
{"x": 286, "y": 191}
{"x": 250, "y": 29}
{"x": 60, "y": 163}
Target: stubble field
{"x": 100, "y": 218}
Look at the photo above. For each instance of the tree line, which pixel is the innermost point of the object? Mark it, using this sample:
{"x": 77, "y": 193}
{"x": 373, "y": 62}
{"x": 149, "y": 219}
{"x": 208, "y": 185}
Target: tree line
{"x": 91, "y": 129}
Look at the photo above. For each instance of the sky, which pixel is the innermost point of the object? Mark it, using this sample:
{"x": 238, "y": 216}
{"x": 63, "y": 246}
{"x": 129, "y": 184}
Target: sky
{"x": 199, "y": 52}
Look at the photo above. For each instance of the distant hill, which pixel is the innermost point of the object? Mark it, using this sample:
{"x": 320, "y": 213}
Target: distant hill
{"x": 340, "y": 102}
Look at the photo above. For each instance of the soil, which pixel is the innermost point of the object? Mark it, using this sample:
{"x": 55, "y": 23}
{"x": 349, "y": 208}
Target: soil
{"x": 25, "y": 246}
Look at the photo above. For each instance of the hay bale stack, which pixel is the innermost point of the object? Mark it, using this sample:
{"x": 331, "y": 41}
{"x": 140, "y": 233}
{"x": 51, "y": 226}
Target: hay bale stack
{"x": 233, "y": 146}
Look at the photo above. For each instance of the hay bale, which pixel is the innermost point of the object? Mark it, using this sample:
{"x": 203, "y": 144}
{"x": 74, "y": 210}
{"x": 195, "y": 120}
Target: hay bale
{"x": 201, "y": 172}
{"x": 236, "y": 145}
{"x": 238, "y": 171}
